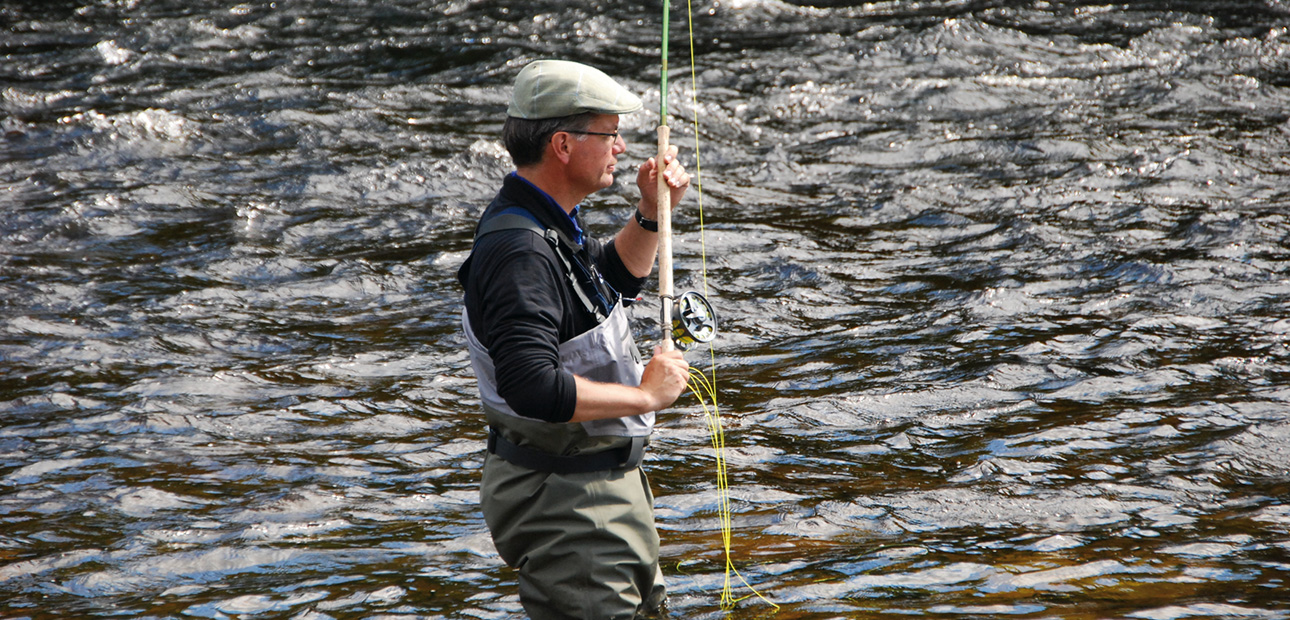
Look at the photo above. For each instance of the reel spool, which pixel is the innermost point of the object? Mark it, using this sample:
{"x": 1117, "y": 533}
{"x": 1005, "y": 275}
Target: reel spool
{"x": 693, "y": 320}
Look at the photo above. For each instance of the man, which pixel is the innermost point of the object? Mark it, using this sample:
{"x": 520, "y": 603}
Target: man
{"x": 568, "y": 404}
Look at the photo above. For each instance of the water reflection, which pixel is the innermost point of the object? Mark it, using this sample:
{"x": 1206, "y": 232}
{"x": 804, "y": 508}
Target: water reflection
{"x": 1002, "y": 293}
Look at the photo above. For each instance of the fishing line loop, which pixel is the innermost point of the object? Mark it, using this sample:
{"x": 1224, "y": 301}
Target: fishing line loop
{"x": 697, "y": 324}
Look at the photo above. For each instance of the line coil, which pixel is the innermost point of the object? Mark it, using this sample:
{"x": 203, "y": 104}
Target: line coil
{"x": 695, "y": 321}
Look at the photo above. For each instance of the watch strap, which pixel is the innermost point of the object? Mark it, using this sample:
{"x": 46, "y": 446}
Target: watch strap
{"x": 646, "y": 223}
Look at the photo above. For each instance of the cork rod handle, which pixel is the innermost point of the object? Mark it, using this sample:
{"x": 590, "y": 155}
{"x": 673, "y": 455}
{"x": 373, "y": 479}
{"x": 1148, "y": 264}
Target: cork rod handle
{"x": 664, "y": 240}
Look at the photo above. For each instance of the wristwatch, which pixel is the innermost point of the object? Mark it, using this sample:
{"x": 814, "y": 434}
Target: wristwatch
{"x": 646, "y": 223}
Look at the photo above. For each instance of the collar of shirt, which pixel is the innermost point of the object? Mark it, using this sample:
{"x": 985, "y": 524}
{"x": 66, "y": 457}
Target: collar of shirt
{"x": 555, "y": 208}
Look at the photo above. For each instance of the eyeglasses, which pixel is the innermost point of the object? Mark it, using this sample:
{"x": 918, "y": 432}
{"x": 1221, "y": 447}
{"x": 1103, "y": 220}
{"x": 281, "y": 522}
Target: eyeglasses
{"x": 613, "y": 135}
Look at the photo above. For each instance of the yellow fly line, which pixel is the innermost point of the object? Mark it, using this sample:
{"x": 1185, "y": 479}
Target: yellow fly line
{"x": 703, "y": 385}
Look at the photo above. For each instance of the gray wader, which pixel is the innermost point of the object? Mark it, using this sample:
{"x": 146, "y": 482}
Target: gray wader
{"x": 567, "y": 504}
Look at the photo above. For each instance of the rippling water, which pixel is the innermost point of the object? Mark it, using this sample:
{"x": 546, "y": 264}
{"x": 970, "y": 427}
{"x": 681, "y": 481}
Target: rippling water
{"x": 1003, "y": 289}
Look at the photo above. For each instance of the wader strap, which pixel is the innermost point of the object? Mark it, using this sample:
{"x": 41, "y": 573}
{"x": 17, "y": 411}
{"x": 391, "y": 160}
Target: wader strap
{"x": 627, "y": 457}
{"x": 564, "y": 248}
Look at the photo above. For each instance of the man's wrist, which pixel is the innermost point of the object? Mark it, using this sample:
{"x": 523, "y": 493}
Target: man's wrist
{"x": 646, "y": 223}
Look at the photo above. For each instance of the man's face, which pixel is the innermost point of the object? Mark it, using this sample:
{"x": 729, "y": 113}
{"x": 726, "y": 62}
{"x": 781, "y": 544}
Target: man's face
{"x": 594, "y": 157}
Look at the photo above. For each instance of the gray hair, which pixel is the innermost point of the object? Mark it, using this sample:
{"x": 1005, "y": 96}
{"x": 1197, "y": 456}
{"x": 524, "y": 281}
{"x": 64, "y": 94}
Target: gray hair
{"x": 526, "y": 140}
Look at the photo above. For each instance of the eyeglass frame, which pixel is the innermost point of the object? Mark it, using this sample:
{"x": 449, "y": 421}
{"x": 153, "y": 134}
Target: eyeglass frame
{"x": 613, "y": 135}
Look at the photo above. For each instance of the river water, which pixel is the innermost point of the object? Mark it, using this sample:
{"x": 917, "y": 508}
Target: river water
{"x": 1003, "y": 290}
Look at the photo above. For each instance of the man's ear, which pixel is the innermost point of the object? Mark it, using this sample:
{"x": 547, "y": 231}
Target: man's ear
{"x": 561, "y": 145}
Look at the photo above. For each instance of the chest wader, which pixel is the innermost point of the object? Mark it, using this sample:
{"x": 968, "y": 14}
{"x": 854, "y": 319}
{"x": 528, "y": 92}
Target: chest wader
{"x": 567, "y": 503}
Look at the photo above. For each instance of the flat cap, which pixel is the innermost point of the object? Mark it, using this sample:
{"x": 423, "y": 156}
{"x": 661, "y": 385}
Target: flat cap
{"x": 556, "y": 88}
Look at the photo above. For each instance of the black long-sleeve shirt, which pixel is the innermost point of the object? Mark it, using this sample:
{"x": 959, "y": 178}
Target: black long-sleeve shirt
{"x": 522, "y": 304}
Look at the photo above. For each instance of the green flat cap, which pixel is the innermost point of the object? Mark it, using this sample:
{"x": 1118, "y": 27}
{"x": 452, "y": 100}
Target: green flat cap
{"x": 555, "y": 88}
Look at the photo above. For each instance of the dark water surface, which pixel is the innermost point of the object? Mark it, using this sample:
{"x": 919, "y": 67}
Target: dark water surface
{"x": 1004, "y": 290}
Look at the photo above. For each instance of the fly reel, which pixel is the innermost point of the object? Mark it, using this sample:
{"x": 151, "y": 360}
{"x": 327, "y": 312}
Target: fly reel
{"x": 693, "y": 320}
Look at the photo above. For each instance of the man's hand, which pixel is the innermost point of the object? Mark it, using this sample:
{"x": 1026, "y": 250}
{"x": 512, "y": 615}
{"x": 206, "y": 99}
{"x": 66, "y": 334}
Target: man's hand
{"x": 665, "y": 378}
{"x": 678, "y": 180}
